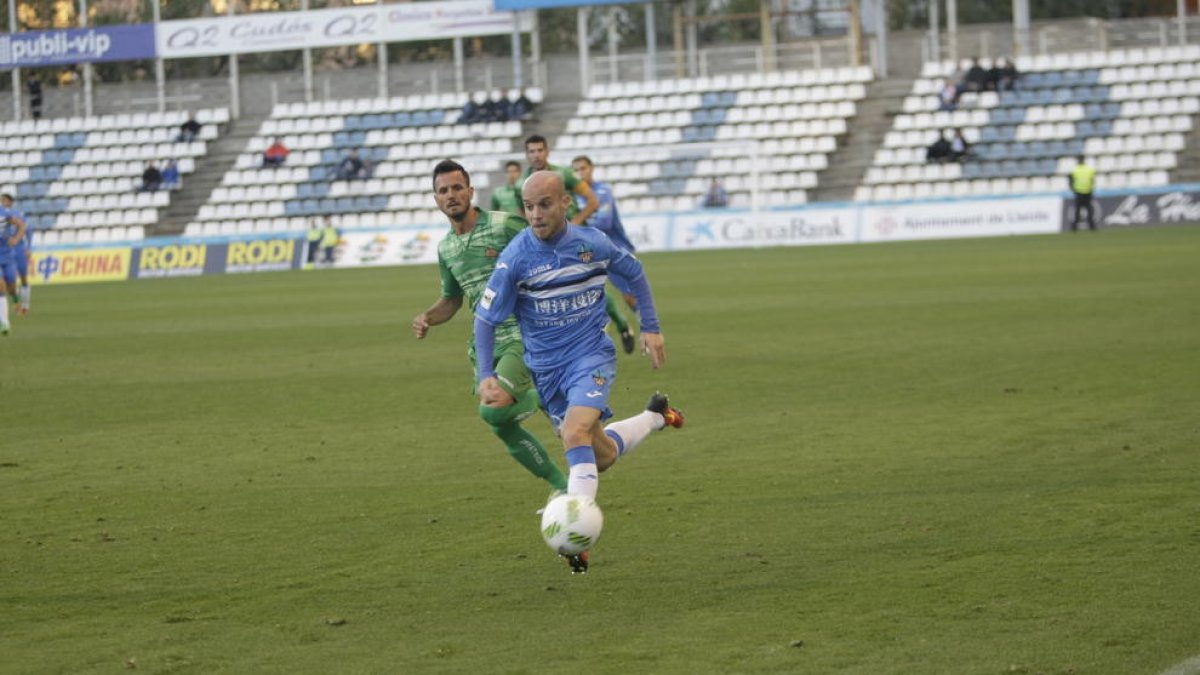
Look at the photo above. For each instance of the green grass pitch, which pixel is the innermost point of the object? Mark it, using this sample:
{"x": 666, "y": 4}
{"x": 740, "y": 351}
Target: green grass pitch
{"x": 946, "y": 457}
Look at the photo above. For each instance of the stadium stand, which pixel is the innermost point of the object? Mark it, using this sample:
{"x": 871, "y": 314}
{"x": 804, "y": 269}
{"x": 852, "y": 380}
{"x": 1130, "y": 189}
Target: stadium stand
{"x": 1128, "y": 111}
{"x": 76, "y": 178}
{"x": 400, "y": 136}
{"x": 660, "y": 143}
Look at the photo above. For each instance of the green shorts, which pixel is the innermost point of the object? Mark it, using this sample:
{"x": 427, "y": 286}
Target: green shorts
{"x": 511, "y": 371}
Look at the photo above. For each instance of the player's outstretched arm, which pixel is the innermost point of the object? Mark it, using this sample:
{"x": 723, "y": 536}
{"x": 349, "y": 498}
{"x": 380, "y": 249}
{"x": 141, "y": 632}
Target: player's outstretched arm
{"x": 20, "y": 231}
{"x": 440, "y": 312}
{"x": 584, "y": 190}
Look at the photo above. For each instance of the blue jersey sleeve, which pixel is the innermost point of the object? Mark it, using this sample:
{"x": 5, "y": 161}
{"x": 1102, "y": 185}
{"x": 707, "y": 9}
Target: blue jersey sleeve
{"x": 499, "y": 298}
{"x": 495, "y": 305}
{"x": 624, "y": 265}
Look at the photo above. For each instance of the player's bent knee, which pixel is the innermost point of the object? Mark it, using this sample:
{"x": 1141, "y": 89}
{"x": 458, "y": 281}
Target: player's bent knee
{"x": 504, "y": 416}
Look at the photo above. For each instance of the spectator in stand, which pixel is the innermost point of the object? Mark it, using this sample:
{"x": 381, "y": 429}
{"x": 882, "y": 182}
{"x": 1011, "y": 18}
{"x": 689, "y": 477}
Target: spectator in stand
{"x": 354, "y": 167}
{"x": 948, "y": 97}
{"x": 189, "y": 130}
{"x": 502, "y": 108}
{"x": 275, "y": 154}
{"x": 522, "y": 108}
{"x": 715, "y": 197}
{"x": 34, "y": 87}
{"x": 1005, "y": 74}
{"x": 938, "y": 151}
{"x": 151, "y": 178}
{"x": 508, "y": 197}
{"x": 470, "y": 112}
{"x": 1083, "y": 183}
{"x": 960, "y": 149}
{"x": 976, "y": 78}
{"x": 170, "y": 175}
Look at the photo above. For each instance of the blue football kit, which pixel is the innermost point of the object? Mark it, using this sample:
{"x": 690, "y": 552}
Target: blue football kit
{"x": 21, "y": 251}
{"x": 8, "y": 254}
{"x": 608, "y": 220}
{"x": 556, "y": 290}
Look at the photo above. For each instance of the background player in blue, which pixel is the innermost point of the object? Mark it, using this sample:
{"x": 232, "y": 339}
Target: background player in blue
{"x": 608, "y": 220}
{"x": 12, "y": 231}
{"x": 552, "y": 277}
{"x": 20, "y": 257}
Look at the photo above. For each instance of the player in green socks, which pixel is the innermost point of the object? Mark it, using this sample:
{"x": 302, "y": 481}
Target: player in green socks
{"x": 466, "y": 257}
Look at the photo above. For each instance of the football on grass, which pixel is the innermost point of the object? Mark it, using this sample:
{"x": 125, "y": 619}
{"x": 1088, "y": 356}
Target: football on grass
{"x": 571, "y": 524}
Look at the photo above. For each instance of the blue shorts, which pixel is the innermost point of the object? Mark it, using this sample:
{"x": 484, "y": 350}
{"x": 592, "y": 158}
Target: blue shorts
{"x": 8, "y": 270}
{"x": 586, "y": 383}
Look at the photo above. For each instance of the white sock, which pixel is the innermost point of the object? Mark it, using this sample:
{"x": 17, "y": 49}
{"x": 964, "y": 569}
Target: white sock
{"x": 24, "y": 294}
{"x": 4, "y": 310}
{"x": 628, "y": 433}
{"x": 584, "y": 477}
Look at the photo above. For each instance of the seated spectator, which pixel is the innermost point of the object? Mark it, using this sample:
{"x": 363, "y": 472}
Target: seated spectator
{"x": 1006, "y": 75}
{"x": 715, "y": 197}
{"x": 522, "y": 108}
{"x": 501, "y": 106}
{"x": 939, "y": 151}
{"x": 488, "y": 111}
{"x": 275, "y": 154}
{"x": 152, "y": 178}
{"x": 960, "y": 149}
{"x": 189, "y": 130}
{"x": 353, "y": 167}
{"x": 975, "y": 79}
{"x": 470, "y": 113}
{"x": 170, "y": 175}
{"x": 948, "y": 98}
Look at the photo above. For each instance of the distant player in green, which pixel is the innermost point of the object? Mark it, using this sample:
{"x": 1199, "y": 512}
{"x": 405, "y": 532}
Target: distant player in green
{"x": 507, "y": 197}
{"x": 466, "y": 258}
{"x": 537, "y": 152}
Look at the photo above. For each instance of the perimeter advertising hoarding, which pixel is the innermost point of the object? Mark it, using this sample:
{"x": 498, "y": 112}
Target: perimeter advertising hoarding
{"x": 280, "y": 31}
{"x": 515, "y": 5}
{"x": 76, "y": 266}
{"x": 175, "y": 260}
{"x": 388, "y": 247}
{"x": 77, "y": 45}
{"x": 957, "y": 219}
{"x": 1162, "y": 207}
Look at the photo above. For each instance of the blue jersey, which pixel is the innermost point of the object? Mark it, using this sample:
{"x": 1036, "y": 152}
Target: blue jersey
{"x": 8, "y": 230}
{"x": 23, "y": 246}
{"x": 606, "y": 218}
{"x": 556, "y": 289}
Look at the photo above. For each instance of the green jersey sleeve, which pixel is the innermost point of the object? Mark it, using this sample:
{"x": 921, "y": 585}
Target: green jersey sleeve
{"x": 450, "y": 287}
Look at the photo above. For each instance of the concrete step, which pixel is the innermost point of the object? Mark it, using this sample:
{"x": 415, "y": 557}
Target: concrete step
{"x": 1188, "y": 169}
{"x": 210, "y": 170}
{"x": 849, "y": 162}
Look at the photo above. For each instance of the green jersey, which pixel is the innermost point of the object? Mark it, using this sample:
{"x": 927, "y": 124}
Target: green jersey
{"x": 466, "y": 262}
{"x": 570, "y": 180}
{"x": 507, "y": 198}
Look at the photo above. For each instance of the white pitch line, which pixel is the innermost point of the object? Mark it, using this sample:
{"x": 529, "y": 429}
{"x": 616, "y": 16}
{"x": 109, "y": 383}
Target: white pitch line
{"x": 1189, "y": 667}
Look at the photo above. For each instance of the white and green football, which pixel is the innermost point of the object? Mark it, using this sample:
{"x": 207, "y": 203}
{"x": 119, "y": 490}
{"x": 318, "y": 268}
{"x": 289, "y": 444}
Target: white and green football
{"x": 571, "y": 524}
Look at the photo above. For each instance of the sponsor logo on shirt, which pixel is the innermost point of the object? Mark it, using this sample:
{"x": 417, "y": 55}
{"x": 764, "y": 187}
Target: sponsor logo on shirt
{"x": 568, "y": 304}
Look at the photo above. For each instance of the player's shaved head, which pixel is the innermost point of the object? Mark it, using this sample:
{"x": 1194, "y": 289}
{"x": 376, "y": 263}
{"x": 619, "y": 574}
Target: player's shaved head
{"x": 546, "y": 203}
